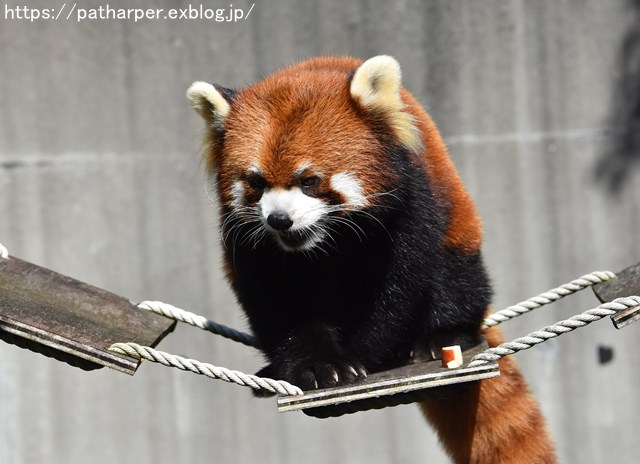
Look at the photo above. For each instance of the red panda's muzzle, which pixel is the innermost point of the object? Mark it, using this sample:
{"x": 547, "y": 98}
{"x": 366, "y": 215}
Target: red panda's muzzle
{"x": 281, "y": 223}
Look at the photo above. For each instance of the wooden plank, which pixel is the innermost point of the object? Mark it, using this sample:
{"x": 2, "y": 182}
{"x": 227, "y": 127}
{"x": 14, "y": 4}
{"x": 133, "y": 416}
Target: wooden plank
{"x": 406, "y": 384}
{"x": 69, "y": 320}
{"x": 626, "y": 317}
{"x": 626, "y": 283}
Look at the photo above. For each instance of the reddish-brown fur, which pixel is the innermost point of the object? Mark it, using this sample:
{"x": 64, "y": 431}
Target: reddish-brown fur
{"x": 495, "y": 421}
{"x": 264, "y": 112}
{"x": 264, "y": 109}
{"x": 465, "y": 227}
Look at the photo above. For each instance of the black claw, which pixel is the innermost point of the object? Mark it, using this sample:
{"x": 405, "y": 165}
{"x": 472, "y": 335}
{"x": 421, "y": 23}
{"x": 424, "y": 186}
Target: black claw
{"x": 327, "y": 376}
{"x": 311, "y": 375}
{"x": 306, "y": 380}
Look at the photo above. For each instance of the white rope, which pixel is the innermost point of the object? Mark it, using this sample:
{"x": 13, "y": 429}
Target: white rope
{"x": 555, "y": 330}
{"x": 195, "y": 320}
{"x": 4, "y": 253}
{"x": 547, "y": 297}
{"x": 257, "y": 383}
{"x": 280, "y": 386}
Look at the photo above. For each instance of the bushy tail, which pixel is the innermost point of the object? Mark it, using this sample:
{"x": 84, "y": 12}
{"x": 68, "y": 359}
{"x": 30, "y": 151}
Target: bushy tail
{"x": 495, "y": 421}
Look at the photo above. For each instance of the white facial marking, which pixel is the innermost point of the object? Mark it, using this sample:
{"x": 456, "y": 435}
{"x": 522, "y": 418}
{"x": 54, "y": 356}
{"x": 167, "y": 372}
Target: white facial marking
{"x": 349, "y": 186}
{"x": 237, "y": 193}
{"x": 302, "y": 209}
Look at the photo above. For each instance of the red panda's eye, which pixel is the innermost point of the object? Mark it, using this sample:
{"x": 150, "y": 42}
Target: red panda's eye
{"x": 257, "y": 182}
{"x": 309, "y": 182}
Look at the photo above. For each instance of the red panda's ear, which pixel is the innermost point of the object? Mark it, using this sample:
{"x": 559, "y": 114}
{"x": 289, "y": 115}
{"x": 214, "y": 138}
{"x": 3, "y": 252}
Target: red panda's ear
{"x": 210, "y": 103}
{"x": 376, "y": 86}
{"x": 213, "y": 104}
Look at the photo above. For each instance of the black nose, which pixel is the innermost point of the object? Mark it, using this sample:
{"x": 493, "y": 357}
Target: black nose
{"x": 279, "y": 220}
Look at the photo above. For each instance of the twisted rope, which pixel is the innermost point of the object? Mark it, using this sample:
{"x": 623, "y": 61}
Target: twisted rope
{"x": 279, "y": 386}
{"x": 547, "y": 297}
{"x": 257, "y": 383}
{"x": 195, "y": 320}
{"x": 555, "y": 330}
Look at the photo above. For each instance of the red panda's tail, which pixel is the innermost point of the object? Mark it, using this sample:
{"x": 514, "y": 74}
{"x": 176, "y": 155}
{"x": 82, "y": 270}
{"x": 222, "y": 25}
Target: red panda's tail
{"x": 495, "y": 421}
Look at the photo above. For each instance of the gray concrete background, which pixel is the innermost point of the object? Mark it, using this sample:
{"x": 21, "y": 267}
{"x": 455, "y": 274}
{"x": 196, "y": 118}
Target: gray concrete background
{"x": 100, "y": 179}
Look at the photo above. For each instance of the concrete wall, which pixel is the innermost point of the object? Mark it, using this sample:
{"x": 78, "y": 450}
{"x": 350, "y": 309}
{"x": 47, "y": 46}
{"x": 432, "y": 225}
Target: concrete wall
{"x": 100, "y": 179}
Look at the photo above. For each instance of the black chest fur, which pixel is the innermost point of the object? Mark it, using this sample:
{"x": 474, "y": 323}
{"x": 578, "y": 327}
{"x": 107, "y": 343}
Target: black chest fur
{"x": 374, "y": 297}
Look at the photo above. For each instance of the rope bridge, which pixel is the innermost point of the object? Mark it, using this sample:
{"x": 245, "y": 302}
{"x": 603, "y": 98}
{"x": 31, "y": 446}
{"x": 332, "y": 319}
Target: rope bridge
{"x": 491, "y": 354}
{"x": 476, "y": 366}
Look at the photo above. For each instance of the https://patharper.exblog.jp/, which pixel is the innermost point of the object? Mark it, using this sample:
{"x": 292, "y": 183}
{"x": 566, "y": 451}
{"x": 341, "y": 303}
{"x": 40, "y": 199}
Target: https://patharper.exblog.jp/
{"x": 106, "y": 12}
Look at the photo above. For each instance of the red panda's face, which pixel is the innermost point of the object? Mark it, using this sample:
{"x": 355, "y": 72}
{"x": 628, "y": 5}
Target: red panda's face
{"x": 296, "y": 154}
{"x": 300, "y": 214}
{"x": 297, "y": 160}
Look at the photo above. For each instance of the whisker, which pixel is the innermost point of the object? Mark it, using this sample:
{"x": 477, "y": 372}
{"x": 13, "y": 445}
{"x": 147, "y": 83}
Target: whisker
{"x": 320, "y": 233}
{"x": 249, "y": 234}
{"x": 366, "y": 213}
{"x": 352, "y": 225}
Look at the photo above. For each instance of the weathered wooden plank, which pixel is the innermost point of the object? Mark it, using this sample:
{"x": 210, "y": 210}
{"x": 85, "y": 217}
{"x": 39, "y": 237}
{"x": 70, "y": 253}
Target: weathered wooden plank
{"x": 626, "y": 317}
{"x": 69, "y": 320}
{"x": 406, "y": 384}
{"x": 626, "y": 283}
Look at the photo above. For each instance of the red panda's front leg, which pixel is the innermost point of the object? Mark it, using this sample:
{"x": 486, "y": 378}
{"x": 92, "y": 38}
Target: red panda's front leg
{"x": 311, "y": 357}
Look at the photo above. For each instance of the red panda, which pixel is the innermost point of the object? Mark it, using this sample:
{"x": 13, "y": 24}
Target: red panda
{"x": 352, "y": 245}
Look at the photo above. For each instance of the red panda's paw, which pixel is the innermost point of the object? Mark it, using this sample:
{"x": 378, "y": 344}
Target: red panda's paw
{"x": 311, "y": 374}
{"x": 320, "y": 374}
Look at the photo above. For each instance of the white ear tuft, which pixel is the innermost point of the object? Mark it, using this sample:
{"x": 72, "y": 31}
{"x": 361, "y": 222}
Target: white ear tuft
{"x": 208, "y": 102}
{"x": 376, "y": 85}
